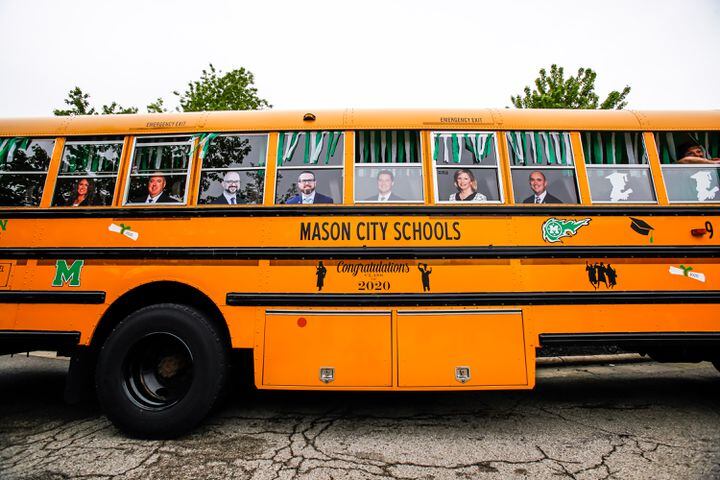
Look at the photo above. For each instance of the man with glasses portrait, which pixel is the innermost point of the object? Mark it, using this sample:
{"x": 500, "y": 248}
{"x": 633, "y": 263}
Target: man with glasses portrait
{"x": 308, "y": 195}
{"x": 231, "y": 190}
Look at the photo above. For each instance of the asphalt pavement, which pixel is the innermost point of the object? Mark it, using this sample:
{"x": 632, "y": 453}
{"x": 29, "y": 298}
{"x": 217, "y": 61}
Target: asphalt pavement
{"x": 613, "y": 418}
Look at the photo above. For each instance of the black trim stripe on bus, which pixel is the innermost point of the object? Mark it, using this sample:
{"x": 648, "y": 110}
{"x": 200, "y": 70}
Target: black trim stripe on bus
{"x": 636, "y": 339}
{"x": 44, "y": 296}
{"x": 360, "y": 210}
{"x": 378, "y": 253}
{"x": 470, "y": 299}
{"x": 12, "y": 341}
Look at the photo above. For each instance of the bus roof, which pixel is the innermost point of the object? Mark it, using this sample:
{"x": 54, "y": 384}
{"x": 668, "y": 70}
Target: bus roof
{"x": 351, "y": 119}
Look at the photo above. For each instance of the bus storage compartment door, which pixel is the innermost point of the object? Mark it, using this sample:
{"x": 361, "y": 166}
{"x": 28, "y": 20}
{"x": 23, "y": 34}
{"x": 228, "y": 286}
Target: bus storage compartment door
{"x": 330, "y": 349}
{"x": 468, "y": 348}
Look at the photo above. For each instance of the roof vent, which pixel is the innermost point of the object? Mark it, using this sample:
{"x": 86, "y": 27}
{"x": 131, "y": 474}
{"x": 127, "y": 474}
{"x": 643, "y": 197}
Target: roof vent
{"x": 309, "y": 117}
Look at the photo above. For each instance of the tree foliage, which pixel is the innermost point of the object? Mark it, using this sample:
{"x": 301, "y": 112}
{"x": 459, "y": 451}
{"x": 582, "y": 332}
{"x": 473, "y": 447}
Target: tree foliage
{"x": 578, "y": 92}
{"x": 217, "y": 91}
{"x": 213, "y": 91}
{"x": 79, "y": 104}
{"x": 158, "y": 106}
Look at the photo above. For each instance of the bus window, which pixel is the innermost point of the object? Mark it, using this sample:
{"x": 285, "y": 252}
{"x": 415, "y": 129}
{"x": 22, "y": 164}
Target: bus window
{"x": 542, "y": 167}
{"x": 466, "y": 167}
{"x": 617, "y": 167}
{"x": 388, "y": 166}
{"x": 88, "y": 172}
{"x": 23, "y": 168}
{"x": 233, "y": 169}
{"x": 310, "y": 167}
{"x": 160, "y": 170}
{"x": 690, "y": 165}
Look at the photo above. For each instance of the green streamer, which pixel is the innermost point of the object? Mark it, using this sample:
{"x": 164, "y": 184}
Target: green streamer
{"x": 414, "y": 136}
{"x": 609, "y": 152}
{"x": 487, "y": 148}
{"x": 209, "y": 137}
{"x": 94, "y": 162}
{"x": 468, "y": 144}
{"x": 538, "y": 156}
{"x": 306, "y": 150}
{"x": 455, "y": 145}
{"x": 401, "y": 145}
{"x": 367, "y": 145}
{"x": 376, "y": 145}
{"x": 586, "y": 146}
{"x": 552, "y": 160}
{"x": 597, "y": 149}
{"x": 281, "y": 148}
{"x": 333, "y": 140}
{"x": 5, "y": 148}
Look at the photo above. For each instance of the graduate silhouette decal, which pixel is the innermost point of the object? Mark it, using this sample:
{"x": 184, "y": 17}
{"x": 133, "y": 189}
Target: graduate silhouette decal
{"x": 600, "y": 274}
{"x": 425, "y": 272}
{"x": 320, "y": 272}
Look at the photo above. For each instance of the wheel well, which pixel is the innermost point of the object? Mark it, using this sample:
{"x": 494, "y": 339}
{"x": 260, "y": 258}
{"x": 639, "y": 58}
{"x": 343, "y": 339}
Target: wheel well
{"x": 158, "y": 292}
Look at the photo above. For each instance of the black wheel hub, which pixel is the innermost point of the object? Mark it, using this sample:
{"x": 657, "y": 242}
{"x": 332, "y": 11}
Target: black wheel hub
{"x": 158, "y": 371}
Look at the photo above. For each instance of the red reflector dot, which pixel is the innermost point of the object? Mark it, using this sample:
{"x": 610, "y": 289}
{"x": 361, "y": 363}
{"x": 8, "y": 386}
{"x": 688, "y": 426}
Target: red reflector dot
{"x": 302, "y": 322}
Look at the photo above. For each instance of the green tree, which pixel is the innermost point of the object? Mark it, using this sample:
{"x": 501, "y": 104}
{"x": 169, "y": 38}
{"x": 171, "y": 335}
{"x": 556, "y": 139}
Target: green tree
{"x": 115, "y": 108}
{"x": 217, "y": 91}
{"x": 158, "y": 106}
{"x": 578, "y": 92}
{"x": 79, "y": 104}
{"x": 214, "y": 91}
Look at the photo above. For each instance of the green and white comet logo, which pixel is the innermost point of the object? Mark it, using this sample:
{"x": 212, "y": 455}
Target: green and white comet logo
{"x": 555, "y": 228}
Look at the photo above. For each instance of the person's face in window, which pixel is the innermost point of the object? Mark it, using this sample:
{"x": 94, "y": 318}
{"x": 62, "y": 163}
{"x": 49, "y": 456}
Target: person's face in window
{"x": 385, "y": 183}
{"x": 463, "y": 182}
{"x": 306, "y": 183}
{"x": 537, "y": 182}
{"x": 82, "y": 188}
{"x": 695, "y": 151}
{"x": 156, "y": 185}
{"x": 231, "y": 183}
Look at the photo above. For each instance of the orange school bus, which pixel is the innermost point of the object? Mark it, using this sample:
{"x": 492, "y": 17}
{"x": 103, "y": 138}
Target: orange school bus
{"x": 352, "y": 250}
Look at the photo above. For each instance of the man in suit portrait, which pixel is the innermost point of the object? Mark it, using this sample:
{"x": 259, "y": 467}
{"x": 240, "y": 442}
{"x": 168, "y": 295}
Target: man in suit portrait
{"x": 231, "y": 187}
{"x": 538, "y": 184}
{"x": 308, "y": 195}
{"x": 385, "y": 183}
{"x": 156, "y": 191}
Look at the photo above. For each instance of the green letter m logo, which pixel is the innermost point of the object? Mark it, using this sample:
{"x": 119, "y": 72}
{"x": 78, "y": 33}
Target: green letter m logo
{"x": 67, "y": 275}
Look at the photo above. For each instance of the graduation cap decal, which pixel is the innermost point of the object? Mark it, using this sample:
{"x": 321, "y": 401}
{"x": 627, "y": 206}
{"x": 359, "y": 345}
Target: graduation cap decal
{"x": 641, "y": 227}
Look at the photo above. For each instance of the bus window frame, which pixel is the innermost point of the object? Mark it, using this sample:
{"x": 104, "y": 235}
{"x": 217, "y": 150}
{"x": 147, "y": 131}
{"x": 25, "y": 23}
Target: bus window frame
{"x": 541, "y": 168}
{"x": 43, "y": 202}
{"x": 498, "y": 158}
{"x": 638, "y": 166}
{"x": 192, "y": 141}
{"x": 58, "y": 176}
{"x": 420, "y": 165}
{"x": 342, "y": 167}
{"x": 688, "y": 166}
{"x": 200, "y": 171}
{"x": 662, "y": 167}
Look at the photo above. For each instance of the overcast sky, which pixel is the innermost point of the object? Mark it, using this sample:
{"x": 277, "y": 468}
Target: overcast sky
{"x": 371, "y": 54}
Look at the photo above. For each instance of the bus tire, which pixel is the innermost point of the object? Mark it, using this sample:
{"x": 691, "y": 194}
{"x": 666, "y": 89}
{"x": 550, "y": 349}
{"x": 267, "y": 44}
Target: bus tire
{"x": 161, "y": 371}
